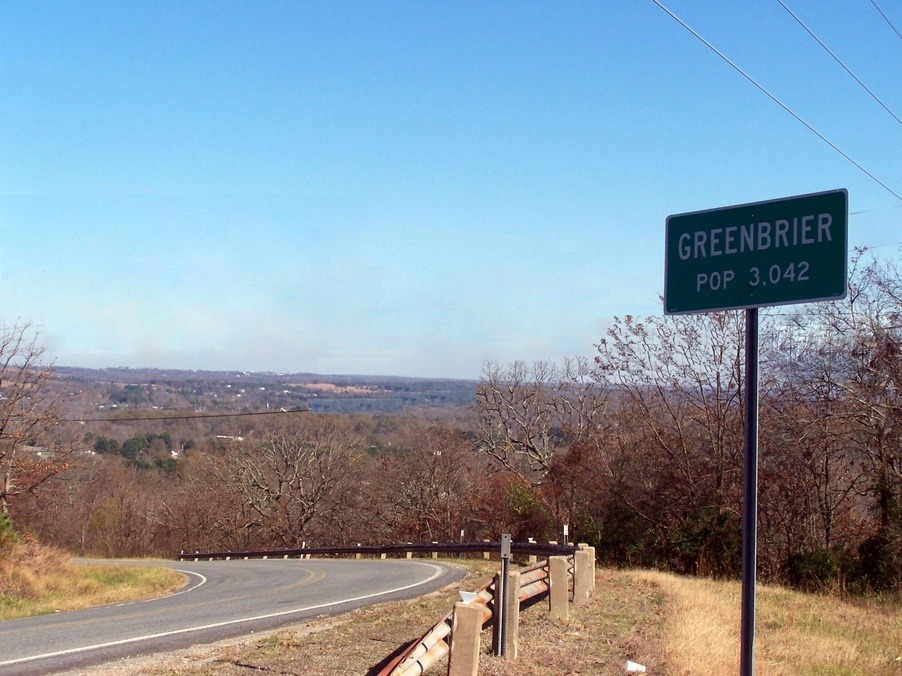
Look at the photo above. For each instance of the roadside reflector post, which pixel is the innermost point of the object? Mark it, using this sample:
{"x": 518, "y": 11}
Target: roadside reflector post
{"x": 499, "y": 614}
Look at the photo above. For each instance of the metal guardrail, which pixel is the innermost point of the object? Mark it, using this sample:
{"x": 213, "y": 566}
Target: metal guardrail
{"x": 522, "y": 548}
{"x": 425, "y": 651}
{"x": 422, "y": 653}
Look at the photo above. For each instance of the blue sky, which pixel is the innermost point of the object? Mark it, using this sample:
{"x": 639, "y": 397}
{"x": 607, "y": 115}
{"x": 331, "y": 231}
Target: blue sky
{"x": 405, "y": 188}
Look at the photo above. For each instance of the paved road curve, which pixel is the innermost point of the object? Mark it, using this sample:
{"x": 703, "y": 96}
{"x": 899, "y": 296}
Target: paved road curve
{"x": 222, "y": 599}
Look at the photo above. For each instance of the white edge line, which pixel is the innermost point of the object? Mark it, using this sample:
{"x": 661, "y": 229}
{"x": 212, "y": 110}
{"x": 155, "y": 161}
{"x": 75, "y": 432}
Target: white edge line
{"x": 72, "y": 651}
{"x": 188, "y": 588}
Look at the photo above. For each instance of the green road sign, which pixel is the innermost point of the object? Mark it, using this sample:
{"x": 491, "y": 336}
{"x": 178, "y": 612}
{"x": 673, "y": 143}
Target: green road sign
{"x": 791, "y": 250}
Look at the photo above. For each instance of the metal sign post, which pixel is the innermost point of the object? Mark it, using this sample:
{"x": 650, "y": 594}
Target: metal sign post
{"x": 750, "y": 505}
{"x": 500, "y": 610}
{"x": 778, "y": 252}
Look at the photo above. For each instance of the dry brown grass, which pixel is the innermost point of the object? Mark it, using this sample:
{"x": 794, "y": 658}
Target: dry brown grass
{"x": 701, "y": 632}
{"x": 795, "y": 633}
{"x": 623, "y": 621}
{"x": 36, "y": 580}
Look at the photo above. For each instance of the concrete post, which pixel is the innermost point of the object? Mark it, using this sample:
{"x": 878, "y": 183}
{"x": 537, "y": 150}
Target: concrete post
{"x": 486, "y": 555}
{"x": 558, "y": 592}
{"x": 466, "y": 628}
{"x": 512, "y": 614}
{"x": 591, "y": 551}
{"x": 582, "y": 574}
{"x": 382, "y": 555}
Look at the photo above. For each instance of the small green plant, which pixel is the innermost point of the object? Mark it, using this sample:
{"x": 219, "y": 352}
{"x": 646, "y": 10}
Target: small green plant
{"x": 8, "y": 534}
{"x": 814, "y": 571}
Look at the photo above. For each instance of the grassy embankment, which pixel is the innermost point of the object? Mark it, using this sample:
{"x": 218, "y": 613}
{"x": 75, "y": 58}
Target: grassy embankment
{"x": 36, "y": 580}
{"x": 672, "y": 625}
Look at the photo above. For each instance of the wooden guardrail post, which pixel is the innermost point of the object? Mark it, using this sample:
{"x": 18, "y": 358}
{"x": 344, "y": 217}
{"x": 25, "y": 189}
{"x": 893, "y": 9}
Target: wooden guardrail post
{"x": 466, "y": 628}
{"x": 582, "y": 575}
{"x": 558, "y": 591}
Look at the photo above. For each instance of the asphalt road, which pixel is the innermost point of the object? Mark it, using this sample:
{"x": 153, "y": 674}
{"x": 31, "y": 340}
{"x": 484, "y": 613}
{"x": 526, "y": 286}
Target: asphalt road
{"x": 222, "y": 599}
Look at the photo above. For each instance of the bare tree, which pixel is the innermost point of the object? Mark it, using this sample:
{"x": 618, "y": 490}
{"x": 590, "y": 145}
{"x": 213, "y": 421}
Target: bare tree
{"x": 29, "y": 415}
{"x": 812, "y": 475}
{"x": 861, "y": 358}
{"x": 427, "y": 482}
{"x": 286, "y": 473}
{"x": 681, "y": 377}
{"x": 679, "y": 407}
{"x": 528, "y": 415}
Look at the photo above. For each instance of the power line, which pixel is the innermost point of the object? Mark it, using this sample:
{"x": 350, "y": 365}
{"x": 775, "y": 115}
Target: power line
{"x": 869, "y": 211}
{"x": 836, "y": 58}
{"x": 193, "y": 416}
{"x": 885, "y": 18}
{"x": 773, "y": 98}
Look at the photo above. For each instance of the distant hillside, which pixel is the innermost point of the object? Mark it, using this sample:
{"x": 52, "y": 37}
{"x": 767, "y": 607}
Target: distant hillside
{"x": 235, "y": 391}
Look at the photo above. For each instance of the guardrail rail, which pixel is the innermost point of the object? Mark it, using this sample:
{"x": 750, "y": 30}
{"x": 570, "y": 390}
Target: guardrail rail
{"x": 565, "y": 568}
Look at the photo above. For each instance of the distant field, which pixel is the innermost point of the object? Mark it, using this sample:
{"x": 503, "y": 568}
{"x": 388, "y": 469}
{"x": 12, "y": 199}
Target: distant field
{"x": 126, "y": 390}
{"x": 336, "y": 389}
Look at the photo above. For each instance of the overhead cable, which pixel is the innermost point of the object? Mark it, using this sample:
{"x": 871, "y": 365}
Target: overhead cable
{"x": 773, "y": 98}
{"x": 836, "y": 58}
{"x": 886, "y": 18}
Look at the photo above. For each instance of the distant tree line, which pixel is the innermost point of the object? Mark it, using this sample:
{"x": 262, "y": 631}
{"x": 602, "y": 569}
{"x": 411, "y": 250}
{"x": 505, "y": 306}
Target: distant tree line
{"x": 639, "y": 450}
